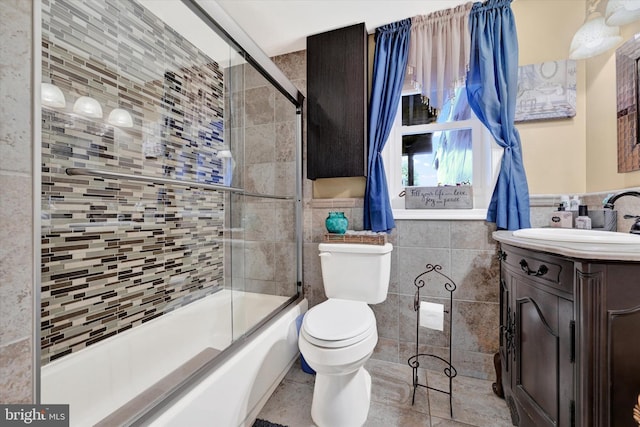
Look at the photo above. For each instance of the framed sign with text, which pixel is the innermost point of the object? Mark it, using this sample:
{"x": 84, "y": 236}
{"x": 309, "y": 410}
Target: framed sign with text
{"x": 441, "y": 197}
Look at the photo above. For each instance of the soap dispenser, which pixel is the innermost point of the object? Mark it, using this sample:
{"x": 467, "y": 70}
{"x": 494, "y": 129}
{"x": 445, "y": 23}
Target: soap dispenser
{"x": 583, "y": 221}
{"x": 561, "y": 218}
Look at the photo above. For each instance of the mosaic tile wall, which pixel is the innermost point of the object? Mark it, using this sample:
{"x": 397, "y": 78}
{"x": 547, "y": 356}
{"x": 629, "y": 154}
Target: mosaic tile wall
{"x": 116, "y": 254}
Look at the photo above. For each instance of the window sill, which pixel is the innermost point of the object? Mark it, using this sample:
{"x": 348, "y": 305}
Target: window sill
{"x": 440, "y": 214}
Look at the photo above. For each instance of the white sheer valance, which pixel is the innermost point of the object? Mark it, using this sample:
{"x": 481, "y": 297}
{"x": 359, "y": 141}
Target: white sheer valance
{"x": 439, "y": 53}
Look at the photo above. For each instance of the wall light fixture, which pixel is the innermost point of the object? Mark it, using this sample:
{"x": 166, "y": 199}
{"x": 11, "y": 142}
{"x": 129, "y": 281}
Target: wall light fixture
{"x": 52, "y": 96}
{"x": 120, "y": 117}
{"x": 87, "y": 106}
{"x": 594, "y": 36}
{"x": 622, "y": 12}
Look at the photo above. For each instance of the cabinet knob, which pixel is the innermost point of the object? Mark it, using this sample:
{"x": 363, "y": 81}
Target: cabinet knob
{"x": 542, "y": 270}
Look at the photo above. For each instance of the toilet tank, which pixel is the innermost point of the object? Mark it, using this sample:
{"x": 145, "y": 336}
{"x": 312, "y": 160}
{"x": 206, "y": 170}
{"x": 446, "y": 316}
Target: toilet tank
{"x": 356, "y": 271}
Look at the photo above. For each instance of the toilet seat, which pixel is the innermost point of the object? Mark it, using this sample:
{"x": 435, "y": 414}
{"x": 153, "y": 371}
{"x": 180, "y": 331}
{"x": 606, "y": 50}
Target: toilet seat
{"x": 338, "y": 323}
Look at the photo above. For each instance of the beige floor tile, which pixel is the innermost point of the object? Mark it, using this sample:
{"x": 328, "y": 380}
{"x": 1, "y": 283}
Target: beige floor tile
{"x": 442, "y": 422}
{"x": 296, "y": 374}
{"x": 473, "y": 401}
{"x": 474, "y": 404}
{"x": 290, "y": 405}
{"x": 381, "y": 415}
{"x": 392, "y": 386}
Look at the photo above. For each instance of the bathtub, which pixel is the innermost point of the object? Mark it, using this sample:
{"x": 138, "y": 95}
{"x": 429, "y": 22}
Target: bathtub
{"x": 105, "y": 376}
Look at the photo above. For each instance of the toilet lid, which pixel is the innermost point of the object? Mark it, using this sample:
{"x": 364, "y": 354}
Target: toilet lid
{"x": 336, "y": 323}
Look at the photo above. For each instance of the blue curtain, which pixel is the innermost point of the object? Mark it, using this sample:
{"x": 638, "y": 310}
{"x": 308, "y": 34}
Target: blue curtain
{"x": 492, "y": 85}
{"x": 389, "y": 64}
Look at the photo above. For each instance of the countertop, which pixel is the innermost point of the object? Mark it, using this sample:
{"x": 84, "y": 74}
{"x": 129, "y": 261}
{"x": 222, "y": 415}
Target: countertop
{"x": 586, "y": 251}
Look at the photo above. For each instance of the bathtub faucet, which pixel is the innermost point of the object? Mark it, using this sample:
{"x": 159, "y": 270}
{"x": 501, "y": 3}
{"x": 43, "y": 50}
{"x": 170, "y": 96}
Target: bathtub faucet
{"x": 635, "y": 228}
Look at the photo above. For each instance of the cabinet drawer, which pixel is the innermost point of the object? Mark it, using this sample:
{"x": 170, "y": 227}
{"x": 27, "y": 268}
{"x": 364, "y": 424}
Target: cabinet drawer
{"x": 545, "y": 269}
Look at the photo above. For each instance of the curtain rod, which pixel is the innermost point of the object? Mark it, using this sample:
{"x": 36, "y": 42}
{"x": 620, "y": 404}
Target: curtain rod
{"x": 169, "y": 181}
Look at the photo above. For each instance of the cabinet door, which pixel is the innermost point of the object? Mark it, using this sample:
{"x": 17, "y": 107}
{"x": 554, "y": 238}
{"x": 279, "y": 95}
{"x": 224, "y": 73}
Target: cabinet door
{"x": 543, "y": 356}
{"x": 608, "y": 380}
{"x": 507, "y": 345}
{"x": 507, "y": 349}
{"x": 337, "y": 103}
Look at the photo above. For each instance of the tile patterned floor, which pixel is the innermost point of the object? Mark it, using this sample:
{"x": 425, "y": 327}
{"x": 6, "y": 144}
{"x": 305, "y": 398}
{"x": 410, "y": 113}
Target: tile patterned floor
{"x": 474, "y": 404}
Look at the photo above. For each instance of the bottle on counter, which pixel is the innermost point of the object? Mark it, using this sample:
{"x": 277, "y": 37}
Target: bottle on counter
{"x": 583, "y": 221}
{"x": 574, "y": 203}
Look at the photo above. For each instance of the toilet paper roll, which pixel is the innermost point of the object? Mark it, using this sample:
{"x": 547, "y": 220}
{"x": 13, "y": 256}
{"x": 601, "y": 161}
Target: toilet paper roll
{"x": 431, "y": 315}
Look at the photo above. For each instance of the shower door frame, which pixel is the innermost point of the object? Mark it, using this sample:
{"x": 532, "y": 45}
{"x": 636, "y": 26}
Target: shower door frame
{"x": 235, "y": 36}
{"x": 225, "y": 27}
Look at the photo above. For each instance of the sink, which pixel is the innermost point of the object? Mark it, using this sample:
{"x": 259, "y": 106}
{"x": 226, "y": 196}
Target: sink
{"x": 574, "y": 235}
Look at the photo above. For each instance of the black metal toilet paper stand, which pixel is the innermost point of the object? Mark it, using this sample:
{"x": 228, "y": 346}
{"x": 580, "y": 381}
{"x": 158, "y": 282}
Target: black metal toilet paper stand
{"x": 414, "y": 361}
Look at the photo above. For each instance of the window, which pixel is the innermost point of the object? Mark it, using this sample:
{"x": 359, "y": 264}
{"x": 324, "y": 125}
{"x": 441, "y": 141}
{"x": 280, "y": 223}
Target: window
{"x": 429, "y": 147}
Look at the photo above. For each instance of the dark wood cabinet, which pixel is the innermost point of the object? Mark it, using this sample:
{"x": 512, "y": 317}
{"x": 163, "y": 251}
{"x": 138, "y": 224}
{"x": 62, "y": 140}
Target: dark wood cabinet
{"x": 537, "y": 341}
{"x": 570, "y": 339}
{"x": 608, "y": 340}
{"x": 337, "y": 103}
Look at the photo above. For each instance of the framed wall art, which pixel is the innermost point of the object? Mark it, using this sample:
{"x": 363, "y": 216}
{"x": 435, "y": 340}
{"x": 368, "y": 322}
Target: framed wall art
{"x": 627, "y": 74}
{"x": 546, "y": 91}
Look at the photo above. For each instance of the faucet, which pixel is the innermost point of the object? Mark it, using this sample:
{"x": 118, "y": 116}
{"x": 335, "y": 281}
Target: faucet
{"x": 635, "y": 228}
{"x": 612, "y": 200}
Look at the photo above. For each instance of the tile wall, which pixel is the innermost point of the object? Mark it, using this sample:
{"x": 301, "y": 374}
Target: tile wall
{"x": 466, "y": 253}
{"x": 263, "y": 230}
{"x": 542, "y": 206}
{"x": 118, "y": 253}
{"x": 17, "y": 277}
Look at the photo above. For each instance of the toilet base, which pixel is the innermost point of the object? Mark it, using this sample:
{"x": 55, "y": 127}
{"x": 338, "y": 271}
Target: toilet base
{"x": 341, "y": 400}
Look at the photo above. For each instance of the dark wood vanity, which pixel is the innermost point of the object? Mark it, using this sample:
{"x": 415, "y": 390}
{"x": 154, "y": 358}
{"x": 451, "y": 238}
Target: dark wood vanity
{"x": 569, "y": 332}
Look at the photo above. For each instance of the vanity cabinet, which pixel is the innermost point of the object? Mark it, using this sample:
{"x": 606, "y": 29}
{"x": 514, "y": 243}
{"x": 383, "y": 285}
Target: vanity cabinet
{"x": 337, "y": 103}
{"x": 570, "y": 339}
{"x": 537, "y": 340}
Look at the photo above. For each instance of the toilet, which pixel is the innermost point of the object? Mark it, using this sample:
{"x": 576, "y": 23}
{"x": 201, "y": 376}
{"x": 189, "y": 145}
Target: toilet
{"x": 338, "y": 336}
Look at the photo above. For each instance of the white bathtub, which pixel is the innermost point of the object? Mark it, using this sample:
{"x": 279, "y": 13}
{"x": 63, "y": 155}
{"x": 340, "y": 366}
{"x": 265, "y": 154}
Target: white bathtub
{"x": 103, "y": 377}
